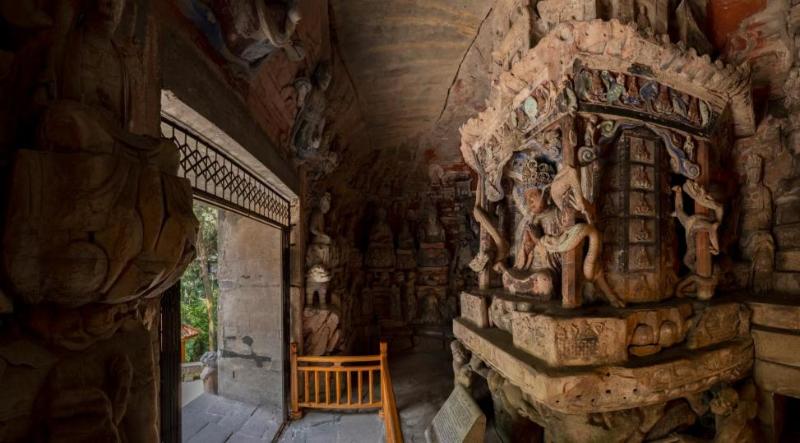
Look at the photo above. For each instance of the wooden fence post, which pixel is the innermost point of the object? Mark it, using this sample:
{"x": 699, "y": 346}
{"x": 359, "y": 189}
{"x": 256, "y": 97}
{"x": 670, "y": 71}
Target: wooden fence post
{"x": 391, "y": 418}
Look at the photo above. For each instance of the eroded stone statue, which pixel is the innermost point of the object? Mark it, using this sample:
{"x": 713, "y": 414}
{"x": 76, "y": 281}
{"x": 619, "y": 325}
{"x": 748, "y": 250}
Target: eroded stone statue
{"x": 380, "y": 253}
{"x": 309, "y": 126}
{"x": 756, "y": 242}
{"x": 318, "y": 254}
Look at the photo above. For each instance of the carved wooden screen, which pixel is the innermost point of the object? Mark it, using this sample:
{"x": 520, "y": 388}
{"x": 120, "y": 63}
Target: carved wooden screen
{"x": 639, "y": 251}
{"x": 221, "y": 180}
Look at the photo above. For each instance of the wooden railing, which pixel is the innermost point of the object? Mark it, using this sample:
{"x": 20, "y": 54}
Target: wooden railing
{"x": 341, "y": 382}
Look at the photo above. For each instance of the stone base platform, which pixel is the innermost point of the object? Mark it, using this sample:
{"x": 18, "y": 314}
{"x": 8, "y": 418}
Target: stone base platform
{"x": 671, "y": 374}
{"x": 602, "y": 335}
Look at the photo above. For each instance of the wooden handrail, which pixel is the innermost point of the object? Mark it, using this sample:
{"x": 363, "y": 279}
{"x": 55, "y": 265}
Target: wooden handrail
{"x": 391, "y": 418}
{"x": 340, "y": 371}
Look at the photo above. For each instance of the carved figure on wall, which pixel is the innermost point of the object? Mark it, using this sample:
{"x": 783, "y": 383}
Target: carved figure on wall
{"x": 432, "y": 250}
{"x": 255, "y": 28}
{"x": 380, "y": 252}
{"x": 309, "y": 126}
{"x": 97, "y": 222}
{"x": 431, "y": 314}
{"x": 318, "y": 254}
{"x": 319, "y": 248}
{"x": 735, "y": 413}
{"x": 534, "y": 267}
{"x": 245, "y": 32}
{"x": 490, "y": 230}
{"x": 431, "y": 230}
{"x": 756, "y": 242}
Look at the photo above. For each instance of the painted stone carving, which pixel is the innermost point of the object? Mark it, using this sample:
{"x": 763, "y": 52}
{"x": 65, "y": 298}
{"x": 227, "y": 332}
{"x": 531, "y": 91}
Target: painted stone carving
{"x": 253, "y": 29}
{"x": 432, "y": 250}
{"x": 245, "y": 32}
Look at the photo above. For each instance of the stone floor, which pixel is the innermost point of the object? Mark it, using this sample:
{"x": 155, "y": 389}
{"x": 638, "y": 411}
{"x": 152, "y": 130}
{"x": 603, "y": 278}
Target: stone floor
{"x": 214, "y": 419}
{"x": 190, "y": 390}
{"x": 422, "y": 382}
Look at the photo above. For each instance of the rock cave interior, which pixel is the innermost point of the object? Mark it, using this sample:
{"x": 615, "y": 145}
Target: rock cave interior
{"x": 584, "y": 214}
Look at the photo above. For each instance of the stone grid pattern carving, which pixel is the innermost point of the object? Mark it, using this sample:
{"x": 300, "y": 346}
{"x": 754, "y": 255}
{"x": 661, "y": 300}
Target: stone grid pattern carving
{"x": 217, "y": 177}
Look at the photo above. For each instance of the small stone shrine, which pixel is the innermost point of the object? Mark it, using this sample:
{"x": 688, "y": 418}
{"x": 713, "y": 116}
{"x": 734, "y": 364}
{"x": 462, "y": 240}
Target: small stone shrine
{"x": 602, "y": 141}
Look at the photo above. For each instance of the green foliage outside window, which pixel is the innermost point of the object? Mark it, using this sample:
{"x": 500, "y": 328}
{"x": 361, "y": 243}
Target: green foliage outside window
{"x": 199, "y": 286}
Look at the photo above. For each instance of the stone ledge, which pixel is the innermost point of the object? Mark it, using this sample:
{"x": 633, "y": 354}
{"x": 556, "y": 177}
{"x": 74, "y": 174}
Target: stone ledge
{"x": 776, "y": 313}
{"x": 786, "y": 282}
{"x": 774, "y": 377}
{"x": 777, "y": 346}
{"x": 603, "y": 389}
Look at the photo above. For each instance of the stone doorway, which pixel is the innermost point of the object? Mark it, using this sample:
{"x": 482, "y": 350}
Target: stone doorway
{"x": 230, "y": 363}
{"x": 232, "y": 374}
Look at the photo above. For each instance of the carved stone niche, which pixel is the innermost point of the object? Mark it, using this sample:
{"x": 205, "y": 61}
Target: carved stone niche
{"x": 585, "y": 156}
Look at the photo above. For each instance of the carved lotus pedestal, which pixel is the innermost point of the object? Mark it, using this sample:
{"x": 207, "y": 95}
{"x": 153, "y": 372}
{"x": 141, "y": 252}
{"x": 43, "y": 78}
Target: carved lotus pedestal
{"x": 563, "y": 368}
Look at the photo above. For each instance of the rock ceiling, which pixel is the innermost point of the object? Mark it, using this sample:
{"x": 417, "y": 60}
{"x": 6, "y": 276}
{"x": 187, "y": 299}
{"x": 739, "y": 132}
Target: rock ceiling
{"x": 404, "y": 57}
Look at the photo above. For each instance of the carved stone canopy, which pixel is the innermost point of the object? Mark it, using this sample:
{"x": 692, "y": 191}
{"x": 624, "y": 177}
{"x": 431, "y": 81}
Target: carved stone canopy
{"x": 615, "y": 48}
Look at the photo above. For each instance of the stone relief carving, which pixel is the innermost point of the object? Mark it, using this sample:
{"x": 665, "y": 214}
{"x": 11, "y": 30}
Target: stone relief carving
{"x": 309, "y": 127}
{"x": 89, "y": 269}
{"x": 756, "y": 242}
{"x": 380, "y": 253}
{"x": 587, "y": 145}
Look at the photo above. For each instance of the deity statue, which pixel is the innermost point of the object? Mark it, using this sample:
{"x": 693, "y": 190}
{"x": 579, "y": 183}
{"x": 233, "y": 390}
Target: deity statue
{"x": 319, "y": 248}
{"x": 431, "y": 230}
{"x": 318, "y": 254}
{"x": 310, "y": 123}
{"x": 380, "y": 253}
{"x": 534, "y": 268}
{"x": 756, "y": 242}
